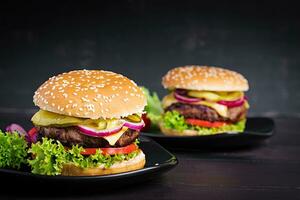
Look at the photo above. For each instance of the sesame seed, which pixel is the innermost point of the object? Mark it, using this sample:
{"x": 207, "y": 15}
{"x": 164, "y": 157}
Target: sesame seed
{"x": 85, "y": 99}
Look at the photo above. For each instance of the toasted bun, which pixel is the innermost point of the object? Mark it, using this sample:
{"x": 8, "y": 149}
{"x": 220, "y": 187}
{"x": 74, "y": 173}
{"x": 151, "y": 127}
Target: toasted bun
{"x": 90, "y": 94}
{"x": 173, "y": 132}
{"x": 204, "y": 78}
{"x": 135, "y": 163}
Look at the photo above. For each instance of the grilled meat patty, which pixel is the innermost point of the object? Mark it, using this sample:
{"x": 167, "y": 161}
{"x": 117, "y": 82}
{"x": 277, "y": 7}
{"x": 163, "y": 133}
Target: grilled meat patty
{"x": 206, "y": 113}
{"x": 69, "y": 136}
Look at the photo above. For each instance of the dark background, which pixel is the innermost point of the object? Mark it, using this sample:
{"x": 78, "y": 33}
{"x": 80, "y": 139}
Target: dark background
{"x": 144, "y": 39}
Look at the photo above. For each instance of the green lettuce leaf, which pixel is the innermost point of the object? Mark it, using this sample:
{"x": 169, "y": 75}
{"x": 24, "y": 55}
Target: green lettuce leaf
{"x": 13, "y": 150}
{"x": 49, "y": 156}
{"x": 154, "y": 108}
{"x": 173, "y": 120}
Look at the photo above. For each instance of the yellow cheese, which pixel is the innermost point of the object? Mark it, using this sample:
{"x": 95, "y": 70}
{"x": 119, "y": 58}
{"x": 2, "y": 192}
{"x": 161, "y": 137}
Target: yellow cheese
{"x": 247, "y": 104}
{"x": 168, "y": 100}
{"x": 221, "y": 109}
{"x": 112, "y": 139}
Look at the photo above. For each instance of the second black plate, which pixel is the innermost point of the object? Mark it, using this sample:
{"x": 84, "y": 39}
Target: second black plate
{"x": 257, "y": 130}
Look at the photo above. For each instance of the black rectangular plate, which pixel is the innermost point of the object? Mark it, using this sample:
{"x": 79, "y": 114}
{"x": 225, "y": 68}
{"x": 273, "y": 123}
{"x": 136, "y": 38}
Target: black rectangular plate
{"x": 257, "y": 130}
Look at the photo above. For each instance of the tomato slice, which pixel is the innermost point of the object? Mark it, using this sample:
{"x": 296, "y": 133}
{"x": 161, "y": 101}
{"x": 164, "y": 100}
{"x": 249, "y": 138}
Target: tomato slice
{"x": 111, "y": 150}
{"x": 147, "y": 122}
{"x": 204, "y": 123}
{"x": 32, "y": 133}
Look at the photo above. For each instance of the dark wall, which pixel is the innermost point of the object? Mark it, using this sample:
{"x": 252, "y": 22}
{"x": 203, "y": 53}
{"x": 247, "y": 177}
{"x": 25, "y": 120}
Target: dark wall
{"x": 144, "y": 39}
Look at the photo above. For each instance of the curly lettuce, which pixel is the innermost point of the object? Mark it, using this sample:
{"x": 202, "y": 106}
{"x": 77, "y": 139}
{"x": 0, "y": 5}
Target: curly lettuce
{"x": 173, "y": 120}
{"x": 49, "y": 156}
{"x": 153, "y": 108}
{"x": 13, "y": 150}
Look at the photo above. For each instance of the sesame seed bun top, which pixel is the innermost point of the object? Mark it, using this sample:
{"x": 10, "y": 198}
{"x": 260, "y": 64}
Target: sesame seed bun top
{"x": 90, "y": 94}
{"x": 204, "y": 78}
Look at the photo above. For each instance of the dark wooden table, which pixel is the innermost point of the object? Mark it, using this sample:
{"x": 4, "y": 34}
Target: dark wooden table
{"x": 271, "y": 171}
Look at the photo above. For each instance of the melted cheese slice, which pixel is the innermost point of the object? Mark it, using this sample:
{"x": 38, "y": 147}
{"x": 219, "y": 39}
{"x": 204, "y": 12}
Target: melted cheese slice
{"x": 221, "y": 109}
{"x": 168, "y": 100}
{"x": 112, "y": 139}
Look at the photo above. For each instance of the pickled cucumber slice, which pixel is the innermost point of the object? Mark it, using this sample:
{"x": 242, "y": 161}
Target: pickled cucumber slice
{"x": 99, "y": 124}
{"x": 216, "y": 96}
{"x": 134, "y": 118}
{"x": 46, "y": 118}
{"x": 204, "y": 94}
{"x": 231, "y": 96}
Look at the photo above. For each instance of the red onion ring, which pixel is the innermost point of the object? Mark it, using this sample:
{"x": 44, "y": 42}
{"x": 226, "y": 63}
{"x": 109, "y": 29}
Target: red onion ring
{"x": 135, "y": 126}
{"x": 99, "y": 133}
{"x": 106, "y": 132}
{"x": 231, "y": 104}
{"x": 184, "y": 99}
{"x": 19, "y": 129}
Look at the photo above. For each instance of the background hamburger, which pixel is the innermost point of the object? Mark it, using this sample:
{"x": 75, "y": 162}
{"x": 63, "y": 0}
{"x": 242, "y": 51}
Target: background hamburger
{"x": 88, "y": 124}
{"x": 203, "y": 100}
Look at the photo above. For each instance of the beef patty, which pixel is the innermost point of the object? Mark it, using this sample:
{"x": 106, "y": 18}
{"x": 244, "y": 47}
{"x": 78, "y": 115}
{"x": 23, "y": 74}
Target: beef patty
{"x": 206, "y": 113}
{"x": 69, "y": 136}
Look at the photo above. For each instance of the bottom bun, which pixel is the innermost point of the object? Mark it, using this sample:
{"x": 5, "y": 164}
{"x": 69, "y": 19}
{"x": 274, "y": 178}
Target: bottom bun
{"x": 135, "y": 163}
{"x": 173, "y": 132}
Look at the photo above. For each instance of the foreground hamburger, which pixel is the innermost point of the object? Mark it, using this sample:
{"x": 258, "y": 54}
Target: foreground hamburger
{"x": 88, "y": 124}
{"x": 204, "y": 100}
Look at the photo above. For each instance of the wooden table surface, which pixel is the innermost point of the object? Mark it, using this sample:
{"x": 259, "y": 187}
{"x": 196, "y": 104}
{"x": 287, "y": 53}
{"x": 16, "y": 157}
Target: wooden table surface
{"x": 271, "y": 171}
